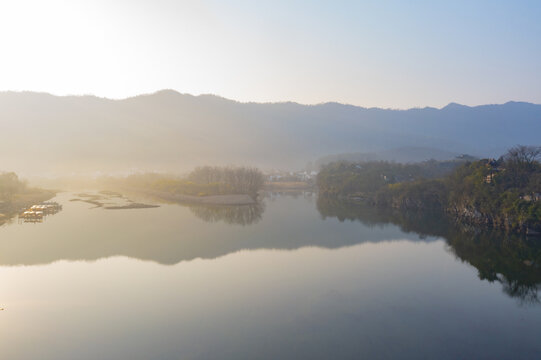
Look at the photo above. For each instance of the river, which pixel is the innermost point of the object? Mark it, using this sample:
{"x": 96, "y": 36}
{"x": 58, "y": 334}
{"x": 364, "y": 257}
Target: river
{"x": 293, "y": 277}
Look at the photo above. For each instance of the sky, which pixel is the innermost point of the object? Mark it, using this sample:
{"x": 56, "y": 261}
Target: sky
{"x": 391, "y": 54}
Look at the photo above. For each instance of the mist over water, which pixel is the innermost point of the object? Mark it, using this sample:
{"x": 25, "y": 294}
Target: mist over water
{"x": 85, "y": 137}
{"x": 303, "y": 179}
{"x": 292, "y": 277}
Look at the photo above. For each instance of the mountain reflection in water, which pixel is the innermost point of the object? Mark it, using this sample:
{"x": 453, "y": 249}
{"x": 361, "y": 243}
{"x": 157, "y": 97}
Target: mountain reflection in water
{"x": 174, "y": 233}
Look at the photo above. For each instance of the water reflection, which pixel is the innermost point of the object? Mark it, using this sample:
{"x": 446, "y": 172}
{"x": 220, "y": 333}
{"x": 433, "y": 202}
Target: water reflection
{"x": 511, "y": 259}
{"x": 171, "y": 233}
{"x": 174, "y": 233}
{"x": 233, "y": 215}
{"x": 272, "y": 289}
{"x": 422, "y": 223}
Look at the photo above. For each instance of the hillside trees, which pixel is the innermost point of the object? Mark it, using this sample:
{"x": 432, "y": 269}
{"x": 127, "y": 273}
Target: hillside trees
{"x": 10, "y": 184}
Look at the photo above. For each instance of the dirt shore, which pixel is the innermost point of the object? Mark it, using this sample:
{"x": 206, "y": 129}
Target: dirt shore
{"x": 233, "y": 199}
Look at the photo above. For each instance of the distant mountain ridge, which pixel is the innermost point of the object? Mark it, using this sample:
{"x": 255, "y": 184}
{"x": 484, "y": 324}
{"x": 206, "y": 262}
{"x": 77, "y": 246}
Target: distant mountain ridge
{"x": 401, "y": 155}
{"x": 169, "y": 131}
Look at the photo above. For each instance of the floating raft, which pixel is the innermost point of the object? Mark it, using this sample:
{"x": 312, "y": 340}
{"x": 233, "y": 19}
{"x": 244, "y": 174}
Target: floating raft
{"x": 36, "y": 213}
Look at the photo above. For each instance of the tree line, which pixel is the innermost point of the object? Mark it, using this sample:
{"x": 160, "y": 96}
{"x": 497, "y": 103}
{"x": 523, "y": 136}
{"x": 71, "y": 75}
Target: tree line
{"x": 240, "y": 179}
{"x": 502, "y": 192}
{"x": 202, "y": 181}
{"x": 10, "y": 184}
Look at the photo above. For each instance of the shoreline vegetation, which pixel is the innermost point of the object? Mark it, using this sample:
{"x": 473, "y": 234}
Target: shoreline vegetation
{"x": 503, "y": 193}
{"x": 209, "y": 185}
{"x": 16, "y": 195}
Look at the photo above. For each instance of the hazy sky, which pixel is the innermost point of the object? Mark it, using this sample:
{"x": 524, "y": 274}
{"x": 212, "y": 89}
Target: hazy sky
{"x": 395, "y": 54}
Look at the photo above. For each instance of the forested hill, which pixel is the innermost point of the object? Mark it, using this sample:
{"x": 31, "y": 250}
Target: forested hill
{"x": 42, "y": 133}
{"x": 503, "y": 193}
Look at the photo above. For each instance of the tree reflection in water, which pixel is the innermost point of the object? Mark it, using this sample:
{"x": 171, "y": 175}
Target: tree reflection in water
{"x": 510, "y": 259}
{"x": 236, "y": 215}
{"x": 513, "y": 260}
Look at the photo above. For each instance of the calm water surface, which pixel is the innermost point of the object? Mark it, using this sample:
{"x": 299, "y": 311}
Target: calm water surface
{"x": 292, "y": 278}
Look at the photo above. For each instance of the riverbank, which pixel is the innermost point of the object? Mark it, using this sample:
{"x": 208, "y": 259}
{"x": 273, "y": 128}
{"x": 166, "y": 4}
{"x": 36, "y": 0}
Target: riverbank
{"x": 19, "y": 202}
{"x": 503, "y": 193}
{"x": 462, "y": 215}
{"x": 230, "y": 199}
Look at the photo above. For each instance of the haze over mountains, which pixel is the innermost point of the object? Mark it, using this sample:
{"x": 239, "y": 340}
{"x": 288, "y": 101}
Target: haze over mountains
{"x": 169, "y": 131}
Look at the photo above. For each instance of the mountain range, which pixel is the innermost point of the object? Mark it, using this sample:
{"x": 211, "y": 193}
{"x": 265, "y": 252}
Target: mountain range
{"x": 168, "y": 131}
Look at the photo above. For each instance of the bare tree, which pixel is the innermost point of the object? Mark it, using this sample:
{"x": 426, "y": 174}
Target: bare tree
{"x": 242, "y": 180}
{"x": 522, "y": 154}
